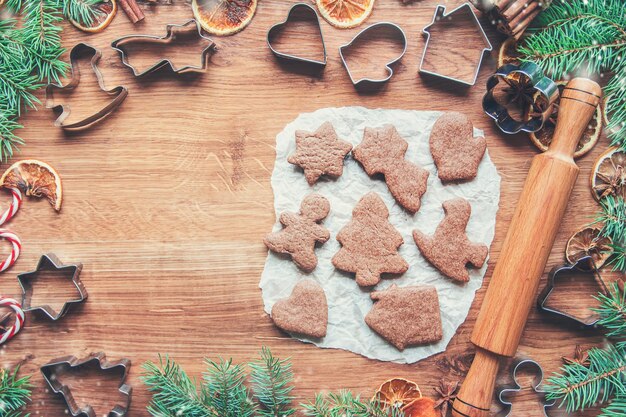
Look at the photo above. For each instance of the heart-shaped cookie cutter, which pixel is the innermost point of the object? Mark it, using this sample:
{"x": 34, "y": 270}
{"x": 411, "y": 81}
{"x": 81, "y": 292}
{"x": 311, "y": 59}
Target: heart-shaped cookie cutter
{"x": 536, "y": 386}
{"x": 308, "y": 12}
{"x": 369, "y": 82}
{"x": 580, "y": 267}
{"x": 547, "y": 89}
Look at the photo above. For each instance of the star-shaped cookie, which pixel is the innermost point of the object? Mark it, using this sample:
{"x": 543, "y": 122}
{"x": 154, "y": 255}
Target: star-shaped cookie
{"x": 320, "y": 153}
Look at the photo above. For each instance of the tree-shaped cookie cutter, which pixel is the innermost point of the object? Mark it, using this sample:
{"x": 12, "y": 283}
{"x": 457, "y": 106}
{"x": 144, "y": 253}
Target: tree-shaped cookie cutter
{"x": 52, "y": 369}
{"x": 49, "y": 262}
{"x": 310, "y": 13}
{"x": 170, "y": 37}
{"x": 440, "y": 13}
{"x": 582, "y": 267}
{"x": 536, "y": 386}
{"x": 118, "y": 93}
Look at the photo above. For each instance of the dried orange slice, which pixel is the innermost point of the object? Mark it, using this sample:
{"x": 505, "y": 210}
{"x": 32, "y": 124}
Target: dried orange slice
{"x": 397, "y": 393}
{"x": 543, "y": 137}
{"x": 34, "y": 179}
{"x": 588, "y": 242}
{"x": 345, "y": 13}
{"x": 609, "y": 174}
{"x": 508, "y": 52}
{"x": 223, "y": 17}
{"x": 421, "y": 407}
{"x": 104, "y": 12}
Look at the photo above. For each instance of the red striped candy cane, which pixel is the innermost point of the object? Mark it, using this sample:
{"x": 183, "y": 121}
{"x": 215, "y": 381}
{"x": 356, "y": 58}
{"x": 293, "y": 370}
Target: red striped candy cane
{"x": 19, "y": 318}
{"x": 15, "y": 252}
{"x": 14, "y": 207}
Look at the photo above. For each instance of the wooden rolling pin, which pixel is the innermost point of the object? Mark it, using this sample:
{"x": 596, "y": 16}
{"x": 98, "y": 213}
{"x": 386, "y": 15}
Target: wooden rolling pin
{"x": 513, "y": 286}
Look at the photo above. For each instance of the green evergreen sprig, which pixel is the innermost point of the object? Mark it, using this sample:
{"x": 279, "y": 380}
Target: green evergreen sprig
{"x": 346, "y": 404}
{"x": 612, "y": 311}
{"x": 584, "y": 37}
{"x": 222, "y": 391}
{"x": 612, "y": 217}
{"x": 14, "y": 393}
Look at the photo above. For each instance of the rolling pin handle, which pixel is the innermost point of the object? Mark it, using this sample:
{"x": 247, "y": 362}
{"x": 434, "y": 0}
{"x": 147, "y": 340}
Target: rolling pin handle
{"x": 474, "y": 400}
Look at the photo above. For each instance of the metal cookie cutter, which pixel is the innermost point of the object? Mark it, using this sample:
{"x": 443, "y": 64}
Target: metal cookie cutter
{"x": 301, "y": 11}
{"x": 526, "y": 72}
{"x": 526, "y": 363}
{"x": 368, "y": 82}
{"x": 50, "y": 262}
{"x": 440, "y": 15}
{"x": 170, "y": 37}
{"x": 118, "y": 93}
{"x": 52, "y": 369}
{"x": 580, "y": 267}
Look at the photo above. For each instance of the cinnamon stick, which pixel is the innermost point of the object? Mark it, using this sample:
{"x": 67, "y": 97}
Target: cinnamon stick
{"x": 132, "y": 10}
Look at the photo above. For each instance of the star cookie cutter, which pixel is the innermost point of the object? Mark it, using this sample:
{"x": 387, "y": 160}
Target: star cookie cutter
{"x": 538, "y": 370}
{"x": 369, "y": 82}
{"x": 580, "y": 267}
{"x": 440, "y": 15}
{"x": 547, "y": 89}
{"x": 52, "y": 369}
{"x": 192, "y": 26}
{"x": 49, "y": 262}
{"x": 304, "y": 11}
{"x": 118, "y": 93}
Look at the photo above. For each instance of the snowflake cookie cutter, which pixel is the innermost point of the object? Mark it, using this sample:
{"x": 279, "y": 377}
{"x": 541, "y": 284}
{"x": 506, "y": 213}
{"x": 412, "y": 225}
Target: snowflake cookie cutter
{"x": 118, "y": 93}
{"x": 191, "y": 25}
{"x": 580, "y": 267}
{"x": 517, "y": 387}
{"x": 370, "y": 82}
{"x": 440, "y": 14}
{"x": 52, "y": 369}
{"x": 309, "y": 13}
{"x": 50, "y": 262}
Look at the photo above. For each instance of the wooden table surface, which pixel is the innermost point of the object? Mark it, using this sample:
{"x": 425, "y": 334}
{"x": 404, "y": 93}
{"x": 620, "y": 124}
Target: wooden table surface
{"x": 167, "y": 201}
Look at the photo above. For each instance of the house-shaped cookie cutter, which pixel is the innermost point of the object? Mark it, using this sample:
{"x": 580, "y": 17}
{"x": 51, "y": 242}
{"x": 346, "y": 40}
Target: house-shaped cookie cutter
{"x": 52, "y": 369}
{"x": 439, "y": 15}
{"x": 49, "y": 262}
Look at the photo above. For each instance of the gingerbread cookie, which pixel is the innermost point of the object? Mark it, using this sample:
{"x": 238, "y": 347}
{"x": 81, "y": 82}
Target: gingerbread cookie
{"x": 455, "y": 150}
{"x": 449, "y": 250}
{"x": 320, "y": 153}
{"x": 370, "y": 243}
{"x": 304, "y": 312}
{"x": 406, "y": 316}
{"x": 301, "y": 232}
{"x": 382, "y": 152}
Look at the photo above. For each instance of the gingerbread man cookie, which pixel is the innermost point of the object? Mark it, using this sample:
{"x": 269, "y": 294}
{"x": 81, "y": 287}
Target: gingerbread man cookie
{"x": 406, "y": 316}
{"x": 455, "y": 150}
{"x": 449, "y": 250}
{"x": 305, "y": 311}
{"x": 320, "y": 153}
{"x": 382, "y": 152}
{"x": 370, "y": 243}
{"x": 301, "y": 232}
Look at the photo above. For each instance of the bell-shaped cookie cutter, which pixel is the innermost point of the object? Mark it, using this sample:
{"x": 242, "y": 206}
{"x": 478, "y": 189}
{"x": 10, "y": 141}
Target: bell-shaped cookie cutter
{"x": 169, "y": 37}
{"x": 51, "y": 370}
{"x": 536, "y": 386}
{"x": 118, "y": 93}
{"x": 304, "y": 10}
{"x": 369, "y": 82}
{"x": 547, "y": 89}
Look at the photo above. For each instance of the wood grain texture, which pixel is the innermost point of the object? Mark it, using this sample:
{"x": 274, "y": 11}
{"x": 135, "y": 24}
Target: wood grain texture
{"x": 166, "y": 204}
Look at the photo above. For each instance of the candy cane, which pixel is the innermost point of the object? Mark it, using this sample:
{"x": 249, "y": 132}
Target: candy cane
{"x": 19, "y": 318}
{"x": 15, "y": 252}
{"x": 14, "y": 207}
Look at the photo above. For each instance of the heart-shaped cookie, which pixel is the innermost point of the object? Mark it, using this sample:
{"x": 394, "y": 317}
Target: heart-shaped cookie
{"x": 304, "y": 312}
{"x": 299, "y": 12}
{"x": 375, "y": 30}
{"x": 455, "y": 150}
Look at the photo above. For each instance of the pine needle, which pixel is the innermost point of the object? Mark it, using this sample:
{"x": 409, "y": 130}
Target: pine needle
{"x": 271, "y": 381}
{"x": 14, "y": 393}
{"x": 346, "y": 404}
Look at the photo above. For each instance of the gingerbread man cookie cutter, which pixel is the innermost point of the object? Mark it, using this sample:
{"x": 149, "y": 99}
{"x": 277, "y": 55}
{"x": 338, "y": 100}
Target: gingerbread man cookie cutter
{"x": 517, "y": 387}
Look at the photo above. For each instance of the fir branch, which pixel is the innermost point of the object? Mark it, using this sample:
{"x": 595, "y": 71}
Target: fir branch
{"x": 14, "y": 393}
{"x": 617, "y": 408}
{"x": 346, "y": 404}
{"x": 612, "y": 311}
{"x": 579, "y": 387}
{"x": 271, "y": 381}
{"x": 225, "y": 390}
{"x": 82, "y": 11}
{"x": 613, "y": 219}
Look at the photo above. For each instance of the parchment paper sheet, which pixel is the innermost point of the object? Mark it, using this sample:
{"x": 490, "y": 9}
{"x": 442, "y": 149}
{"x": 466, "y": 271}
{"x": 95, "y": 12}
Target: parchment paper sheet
{"x": 348, "y": 303}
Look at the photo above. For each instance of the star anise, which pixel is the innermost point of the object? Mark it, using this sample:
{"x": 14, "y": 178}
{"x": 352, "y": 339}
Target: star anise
{"x": 447, "y": 392}
{"x": 581, "y": 357}
{"x": 613, "y": 182}
{"x": 520, "y": 90}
